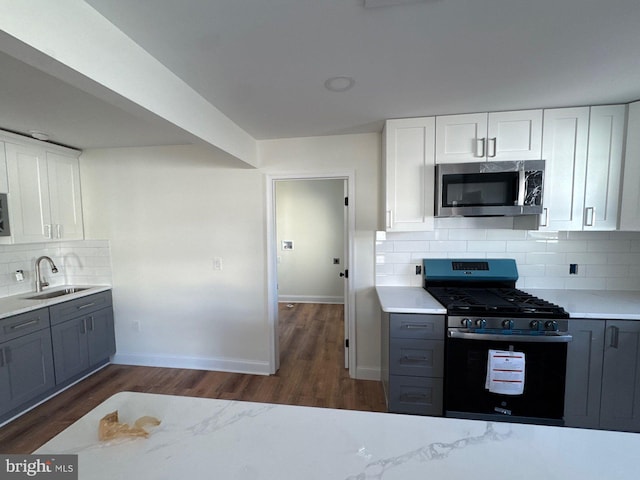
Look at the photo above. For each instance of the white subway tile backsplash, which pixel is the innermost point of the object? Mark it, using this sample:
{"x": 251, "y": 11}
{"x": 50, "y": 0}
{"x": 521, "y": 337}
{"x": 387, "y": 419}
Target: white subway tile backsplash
{"x": 606, "y": 260}
{"x": 78, "y": 262}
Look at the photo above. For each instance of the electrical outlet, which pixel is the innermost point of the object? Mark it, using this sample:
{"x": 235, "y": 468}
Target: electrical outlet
{"x": 573, "y": 269}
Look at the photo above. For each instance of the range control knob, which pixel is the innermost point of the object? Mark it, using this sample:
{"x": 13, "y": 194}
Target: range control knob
{"x": 551, "y": 325}
{"x": 466, "y": 323}
{"x": 481, "y": 323}
{"x": 507, "y": 324}
{"x": 534, "y": 324}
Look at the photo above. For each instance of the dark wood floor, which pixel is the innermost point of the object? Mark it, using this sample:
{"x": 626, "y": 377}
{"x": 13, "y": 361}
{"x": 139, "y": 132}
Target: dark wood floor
{"x": 311, "y": 373}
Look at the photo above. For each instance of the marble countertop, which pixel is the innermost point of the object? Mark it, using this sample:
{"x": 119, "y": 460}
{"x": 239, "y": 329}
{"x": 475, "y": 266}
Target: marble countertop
{"x": 17, "y": 304}
{"x": 206, "y": 438}
{"x": 598, "y": 304}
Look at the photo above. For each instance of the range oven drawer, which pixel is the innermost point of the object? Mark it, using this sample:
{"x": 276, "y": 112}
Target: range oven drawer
{"x": 415, "y": 395}
{"x": 423, "y": 358}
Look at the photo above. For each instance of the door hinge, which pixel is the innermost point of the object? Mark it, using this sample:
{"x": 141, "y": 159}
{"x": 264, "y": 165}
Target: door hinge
{"x": 346, "y": 201}
{"x": 346, "y": 343}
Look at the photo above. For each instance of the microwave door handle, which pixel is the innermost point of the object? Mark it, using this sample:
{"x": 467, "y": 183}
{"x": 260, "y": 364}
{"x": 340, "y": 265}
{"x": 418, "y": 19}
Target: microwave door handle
{"x": 522, "y": 186}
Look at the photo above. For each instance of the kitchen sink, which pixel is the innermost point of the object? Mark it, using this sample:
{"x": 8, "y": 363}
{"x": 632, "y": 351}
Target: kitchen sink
{"x": 56, "y": 293}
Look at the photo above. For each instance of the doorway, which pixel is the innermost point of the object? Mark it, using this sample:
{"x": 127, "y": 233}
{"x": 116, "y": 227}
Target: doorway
{"x": 310, "y": 231}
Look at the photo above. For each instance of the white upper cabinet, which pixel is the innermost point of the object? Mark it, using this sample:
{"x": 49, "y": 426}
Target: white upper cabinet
{"x": 44, "y": 194}
{"x": 564, "y": 149}
{"x": 583, "y": 152}
{"x": 492, "y": 136}
{"x": 630, "y": 207}
{"x": 409, "y": 174}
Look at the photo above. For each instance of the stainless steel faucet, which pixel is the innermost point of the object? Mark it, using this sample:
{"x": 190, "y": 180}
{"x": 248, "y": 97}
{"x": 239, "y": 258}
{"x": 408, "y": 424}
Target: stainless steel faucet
{"x": 40, "y": 281}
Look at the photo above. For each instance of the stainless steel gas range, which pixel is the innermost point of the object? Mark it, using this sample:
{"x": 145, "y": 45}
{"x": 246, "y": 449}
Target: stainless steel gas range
{"x": 505, "y": 350}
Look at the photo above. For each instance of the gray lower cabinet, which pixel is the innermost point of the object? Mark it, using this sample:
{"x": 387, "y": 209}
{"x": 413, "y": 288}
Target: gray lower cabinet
{"x": 413, "y": 363}
{"x": 26, "y": 361}
{"x": 43, "y": 350}
{"x": 82, "y": 334}
{"x": 620, "y": 401}
{"x": 603, "y": 375}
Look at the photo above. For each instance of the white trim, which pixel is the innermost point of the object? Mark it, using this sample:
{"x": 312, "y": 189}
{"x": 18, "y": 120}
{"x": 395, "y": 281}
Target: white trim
{"x": 272, "y": 267}
{"x": 239, "y": 365}
{"x": 310, "y": 299}
{"x": 368, "y": 373}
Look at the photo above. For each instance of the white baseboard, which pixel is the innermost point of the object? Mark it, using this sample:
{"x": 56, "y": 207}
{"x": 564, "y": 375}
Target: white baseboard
{"x": 310, "y": 299}
{"x": 368, "y": 373}
{"x": 196, "y": 363}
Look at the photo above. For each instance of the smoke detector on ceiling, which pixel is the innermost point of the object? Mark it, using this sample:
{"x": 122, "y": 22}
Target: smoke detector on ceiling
{"x": 339, "y": 84}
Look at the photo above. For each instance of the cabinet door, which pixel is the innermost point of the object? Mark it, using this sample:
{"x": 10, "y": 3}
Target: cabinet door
{"x": 70, "y": 348}
{"x": 4, "y": 180}
{"x": 461, "y": 138}
{"x": 409, "y": 174}
{"x": 28, "y": 368}
{"x": 64, "y": 194}
{"x": 564, "y": 148}
{"x": 29, "y": 190}
{"x": 100, "y": 336}
{"x": 584, "y": 373}
{"x": 630, "y": 207}
{"x": 620, "y": 405}
{"x": 604, "y": 166}
{"x": 514, "y": 135}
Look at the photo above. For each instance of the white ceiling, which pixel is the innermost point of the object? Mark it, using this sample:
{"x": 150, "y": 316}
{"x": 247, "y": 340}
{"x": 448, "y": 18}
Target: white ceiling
{"x": 264, "y": 64}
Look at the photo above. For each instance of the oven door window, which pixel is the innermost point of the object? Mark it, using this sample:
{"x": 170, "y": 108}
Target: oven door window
{"x": 466, "y": 373}
{"x": 480, "y": 189}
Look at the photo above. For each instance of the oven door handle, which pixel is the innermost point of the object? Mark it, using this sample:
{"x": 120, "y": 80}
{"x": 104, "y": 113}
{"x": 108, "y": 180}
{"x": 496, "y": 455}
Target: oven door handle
{"x": 497, "y": 337}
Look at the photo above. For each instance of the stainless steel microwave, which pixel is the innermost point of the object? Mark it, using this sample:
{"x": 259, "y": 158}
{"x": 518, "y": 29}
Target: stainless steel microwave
{"x": 489, "y": 188}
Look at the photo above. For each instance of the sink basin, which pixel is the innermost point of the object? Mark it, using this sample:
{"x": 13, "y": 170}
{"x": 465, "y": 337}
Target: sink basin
{"x": 56, "y": 293}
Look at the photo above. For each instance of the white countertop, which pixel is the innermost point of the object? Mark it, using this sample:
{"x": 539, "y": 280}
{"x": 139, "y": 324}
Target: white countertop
{"x": 603, "y": 304}
{"x": 223, "y": 439}
{"x": 598, "y": 304}
{"x": 408, "y": 300}
{"x": 17, "y": 304}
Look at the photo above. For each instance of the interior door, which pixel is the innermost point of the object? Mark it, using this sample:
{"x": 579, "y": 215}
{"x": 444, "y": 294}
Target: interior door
{"x": 345, "y": 256}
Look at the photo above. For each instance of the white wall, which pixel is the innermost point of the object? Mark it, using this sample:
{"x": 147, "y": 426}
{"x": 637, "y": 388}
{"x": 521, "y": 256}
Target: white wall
{"x": 310, "y": 213}
{"x": 168, "y": 211}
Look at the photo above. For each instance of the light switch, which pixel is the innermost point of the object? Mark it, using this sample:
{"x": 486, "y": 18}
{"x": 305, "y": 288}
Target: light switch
{"x": 217, "y": 263}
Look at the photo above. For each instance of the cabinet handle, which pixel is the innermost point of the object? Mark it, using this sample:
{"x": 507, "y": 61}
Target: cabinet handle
{"x": 58, "y": 231}
{"x": 48, "y": 231}
{"x": 389, "y": 218}
{"x": 589, "y": 216}
{"x": 83, "y": 330}
{"x": 615, "y": 333}
{"x": 86, "y": 305}
{"x": 414, "y": 358}
{"x": 25, "y": 324}
{"x": 480, "y": 147}
{"x": 412, "y": 397}
{"x": 416, "y": 326}
{"x": 544, "y": 218}
{"x": 493, "y": 145}
{"x": 3, "y": 358}
{"x": 91, "y": 325}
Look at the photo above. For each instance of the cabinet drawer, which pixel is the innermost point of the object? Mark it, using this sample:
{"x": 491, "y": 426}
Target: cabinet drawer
{"x": 19, "y": 325}
{"x": 80, "y": 306}
{"x": 419, "y": 358}
{"x": 411, "y": 325}
{"x": 421, "y": 396}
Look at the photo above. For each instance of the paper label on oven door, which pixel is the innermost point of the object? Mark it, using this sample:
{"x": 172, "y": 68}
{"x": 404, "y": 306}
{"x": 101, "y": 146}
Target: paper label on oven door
{"x": 505, "y": 372}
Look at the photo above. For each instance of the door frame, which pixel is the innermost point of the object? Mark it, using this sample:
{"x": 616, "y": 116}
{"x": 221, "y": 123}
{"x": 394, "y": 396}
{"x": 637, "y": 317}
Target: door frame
{"x": 272, "y": 265}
